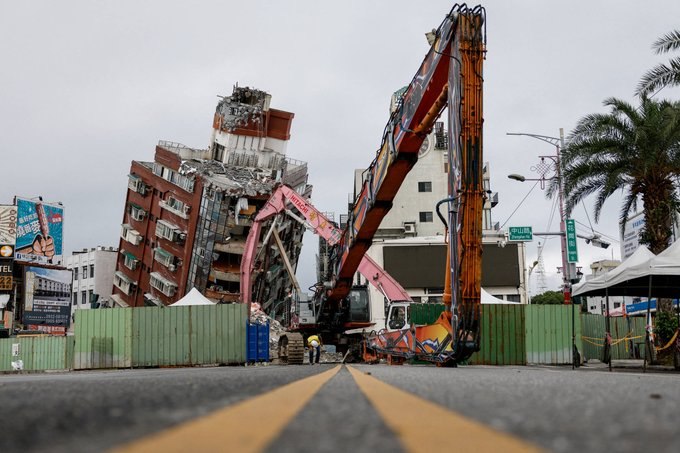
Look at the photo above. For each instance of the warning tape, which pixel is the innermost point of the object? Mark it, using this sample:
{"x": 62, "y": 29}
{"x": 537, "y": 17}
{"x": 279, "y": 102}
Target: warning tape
{"x": 614, "y": 342}
{"x": 670, "y": 342}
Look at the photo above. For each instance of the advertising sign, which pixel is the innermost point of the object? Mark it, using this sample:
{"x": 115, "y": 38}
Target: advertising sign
{"x": 39, "y": 231}
{"x": 6, "y": 266}
{"x": 8, "y": 225}
{"x": 47, "y": 296}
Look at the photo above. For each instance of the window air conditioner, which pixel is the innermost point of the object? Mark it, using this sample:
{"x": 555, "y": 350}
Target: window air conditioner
{"x": 409, "y": 228}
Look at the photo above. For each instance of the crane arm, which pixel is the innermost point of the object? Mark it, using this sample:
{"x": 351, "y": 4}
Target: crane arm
{"x": 424, "y": 99}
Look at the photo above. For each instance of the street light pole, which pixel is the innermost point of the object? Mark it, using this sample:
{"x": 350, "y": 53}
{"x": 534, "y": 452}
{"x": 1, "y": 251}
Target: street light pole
{"x": 558, "y": 143}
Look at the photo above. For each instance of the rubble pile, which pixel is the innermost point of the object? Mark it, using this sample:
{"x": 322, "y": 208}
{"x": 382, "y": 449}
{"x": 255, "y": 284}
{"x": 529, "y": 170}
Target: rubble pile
{"x": 275, "y": 327}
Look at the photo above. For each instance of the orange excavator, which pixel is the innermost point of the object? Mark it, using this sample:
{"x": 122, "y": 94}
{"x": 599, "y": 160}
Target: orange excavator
{"x": 450, "y": 77}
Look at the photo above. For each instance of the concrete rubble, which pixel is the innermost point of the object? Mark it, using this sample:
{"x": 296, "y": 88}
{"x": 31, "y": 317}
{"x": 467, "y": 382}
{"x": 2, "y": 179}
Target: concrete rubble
{"x": 275, "y": 332}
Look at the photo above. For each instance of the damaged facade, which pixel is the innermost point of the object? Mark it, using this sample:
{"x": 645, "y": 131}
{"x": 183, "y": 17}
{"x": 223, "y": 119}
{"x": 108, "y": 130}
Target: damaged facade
{"x": 188, "y": 213}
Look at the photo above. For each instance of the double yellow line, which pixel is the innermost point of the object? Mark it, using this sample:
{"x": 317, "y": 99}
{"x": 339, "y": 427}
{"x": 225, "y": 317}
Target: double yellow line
{"x": 251, "y": 426}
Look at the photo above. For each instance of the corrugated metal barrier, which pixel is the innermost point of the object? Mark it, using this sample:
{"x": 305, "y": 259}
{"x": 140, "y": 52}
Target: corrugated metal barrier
{"x": 149, "y": 337}
{"x": 502, "y": 340}
{"x": 628, "y": 337}
{"x": 36, "y": 353}
{"x": 549, "y": 333}
{"x": 103, "y": 338}
{"x": 526, "y": 334}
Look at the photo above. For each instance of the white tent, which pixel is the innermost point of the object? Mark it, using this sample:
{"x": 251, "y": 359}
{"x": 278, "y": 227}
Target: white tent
{"x": 598, "y": 284}
{"x": 659, "y": 275}
{"x": 193, "y": 297}
{"x": 491, "y": 299}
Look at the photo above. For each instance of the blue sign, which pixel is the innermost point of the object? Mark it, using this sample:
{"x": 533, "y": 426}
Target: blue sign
{"x": 39, "y": 231}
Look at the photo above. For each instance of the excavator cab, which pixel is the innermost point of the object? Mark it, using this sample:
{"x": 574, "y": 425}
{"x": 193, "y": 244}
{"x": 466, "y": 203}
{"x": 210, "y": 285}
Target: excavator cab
{"x": 359, "y": 309}
{"x": 398, "y": 316}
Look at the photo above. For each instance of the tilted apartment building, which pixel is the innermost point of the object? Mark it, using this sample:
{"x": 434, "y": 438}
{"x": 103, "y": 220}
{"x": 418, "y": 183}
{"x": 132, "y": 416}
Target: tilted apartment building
{"x": 188, "y": 213}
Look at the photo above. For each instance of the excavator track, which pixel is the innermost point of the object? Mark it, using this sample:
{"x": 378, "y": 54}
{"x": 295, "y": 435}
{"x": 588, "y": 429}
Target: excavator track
{"x": 292, "y": 349}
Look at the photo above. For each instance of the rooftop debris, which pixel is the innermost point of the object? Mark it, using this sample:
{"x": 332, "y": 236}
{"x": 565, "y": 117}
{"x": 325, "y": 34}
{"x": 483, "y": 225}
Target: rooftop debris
{"x": 245, "y": 106}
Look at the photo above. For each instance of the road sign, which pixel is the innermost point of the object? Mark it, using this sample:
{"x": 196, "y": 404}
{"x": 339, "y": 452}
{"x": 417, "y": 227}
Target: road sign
{"x": 520, "y": 234}
{"x": 572, "y": 251}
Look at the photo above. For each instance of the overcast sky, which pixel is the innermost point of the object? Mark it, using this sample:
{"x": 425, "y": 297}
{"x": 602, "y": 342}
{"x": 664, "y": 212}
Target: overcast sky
{"x": 88, "y": 86}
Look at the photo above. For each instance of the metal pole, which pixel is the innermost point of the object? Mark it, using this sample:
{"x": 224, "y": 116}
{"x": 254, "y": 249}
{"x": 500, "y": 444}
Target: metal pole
{"x": 566, "y": 271}
{"x": 648, "y": 347}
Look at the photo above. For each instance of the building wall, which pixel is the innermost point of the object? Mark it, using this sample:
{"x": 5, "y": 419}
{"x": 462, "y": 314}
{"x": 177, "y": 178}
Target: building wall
{"x": 99, "y": 262}
{"x": 154, "y": 204}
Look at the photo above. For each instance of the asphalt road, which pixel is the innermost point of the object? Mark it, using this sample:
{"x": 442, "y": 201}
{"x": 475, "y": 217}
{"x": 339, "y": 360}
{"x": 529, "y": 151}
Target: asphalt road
{"x": 554, "y": 408}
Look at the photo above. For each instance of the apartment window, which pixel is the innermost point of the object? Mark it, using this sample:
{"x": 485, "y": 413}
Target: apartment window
{"x": 167, "y": 230}
{"x": 136, "y": 184}
{"x": 425, "y": 186}
{"x": 91, "y": 270}
{"x": 84, "y": 272}
{"x": 122, "y": 282}
{"x": 75, "y": 298}
{"x": 83, "y": 297}
{"x": 175, "y": 206}
{"x": 218, "y": 152}
{"x": 426, "y": 216}
{"x": 162, "y": 284}
{"x": 75, "y": 274}
{"x": 130, "y": 235}
{"x": 168, "y": 174}
{"x": 512, "y": 297}
{"x": 89, "y": 296}
{"x": 163, "y": 256}
{"x": 136, "y": 212}
{"x": 446, "y": 167}
{"x": 129, "y": 260}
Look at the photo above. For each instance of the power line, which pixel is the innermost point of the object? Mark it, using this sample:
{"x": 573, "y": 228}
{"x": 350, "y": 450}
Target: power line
{"x": 520, "y": 204}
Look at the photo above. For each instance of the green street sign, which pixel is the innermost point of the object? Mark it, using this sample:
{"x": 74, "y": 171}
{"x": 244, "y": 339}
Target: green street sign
{"x": 572, "y": 251}
{"x": 520, "y": 234}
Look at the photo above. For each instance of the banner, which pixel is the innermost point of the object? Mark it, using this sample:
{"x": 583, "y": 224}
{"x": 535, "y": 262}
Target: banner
{"x": 47, "y": 297}
{"x": 8, "y": 225}
{"x": 39, "y": 231}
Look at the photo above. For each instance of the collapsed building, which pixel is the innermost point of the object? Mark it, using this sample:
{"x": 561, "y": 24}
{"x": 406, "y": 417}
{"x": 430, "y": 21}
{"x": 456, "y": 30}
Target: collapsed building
{"x": 188, "y": 213}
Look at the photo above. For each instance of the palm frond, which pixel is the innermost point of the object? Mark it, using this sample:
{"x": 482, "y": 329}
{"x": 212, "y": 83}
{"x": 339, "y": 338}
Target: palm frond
{"x": 670, "y": 41}
{"x": 660, "y": 76}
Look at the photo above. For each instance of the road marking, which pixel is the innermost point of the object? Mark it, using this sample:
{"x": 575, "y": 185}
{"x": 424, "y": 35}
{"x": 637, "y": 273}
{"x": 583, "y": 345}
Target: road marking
{"x": 424, "y": 426}
{"x": 248, "y": 426}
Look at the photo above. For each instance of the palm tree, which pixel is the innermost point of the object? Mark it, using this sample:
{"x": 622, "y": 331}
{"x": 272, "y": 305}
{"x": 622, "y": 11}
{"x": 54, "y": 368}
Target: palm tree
{"x": 662, "y": 75}
{"x": 636, "y": 151}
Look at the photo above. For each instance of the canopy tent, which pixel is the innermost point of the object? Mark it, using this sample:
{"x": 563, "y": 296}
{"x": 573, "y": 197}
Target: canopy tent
{"x": 193, "y": 297}
{"x": 659, "y": 275}
{"x": 596, "y": 286}
{"x": 490, "y": 299}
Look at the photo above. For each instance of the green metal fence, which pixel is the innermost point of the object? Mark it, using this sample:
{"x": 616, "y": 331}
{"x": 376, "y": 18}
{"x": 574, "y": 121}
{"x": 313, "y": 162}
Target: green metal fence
{"x": 150, "y": 337}
{"x": 103, "y": 338}
{"x": 36, "y": 353}
{"x": 628, "y": 337}
{"x": 189, "y": 335}
{"x": 549, "y": 333}
{"x": 502, "y": 340}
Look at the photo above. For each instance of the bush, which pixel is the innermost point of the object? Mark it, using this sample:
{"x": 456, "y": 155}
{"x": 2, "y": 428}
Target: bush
{"x": 665, "y": 326}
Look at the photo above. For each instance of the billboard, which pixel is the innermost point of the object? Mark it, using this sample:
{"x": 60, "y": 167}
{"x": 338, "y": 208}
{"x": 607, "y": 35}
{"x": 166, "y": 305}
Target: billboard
{"x": 8, "y": 224}
{"x": 47, "y": 295}
{"x": 39, "y": 232}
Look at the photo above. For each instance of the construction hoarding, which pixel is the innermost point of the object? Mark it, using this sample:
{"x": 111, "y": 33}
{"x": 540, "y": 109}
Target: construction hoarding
{"x": 39, "y": 231}
{"x": 47, "y": 296}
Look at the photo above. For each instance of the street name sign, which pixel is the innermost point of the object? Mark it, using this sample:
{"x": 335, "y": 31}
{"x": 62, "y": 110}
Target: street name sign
{"x": 518, "y": 234}
{"x": 572, "y": 251}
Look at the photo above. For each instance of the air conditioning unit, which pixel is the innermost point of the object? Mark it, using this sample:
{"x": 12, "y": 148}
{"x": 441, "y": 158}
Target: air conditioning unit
{"x": 409, "y": 228}
{"x": 181, "y": 236}
{"x": 187, "y": 209}
{"x": 200, "y": 251}
{"x": 172, "y": 268}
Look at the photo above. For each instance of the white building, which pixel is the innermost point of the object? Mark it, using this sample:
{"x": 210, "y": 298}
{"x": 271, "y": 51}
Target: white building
{"x": 410, "y": 245}
{"x": 598, "y": 305}
{"x": 93, "y": 271}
